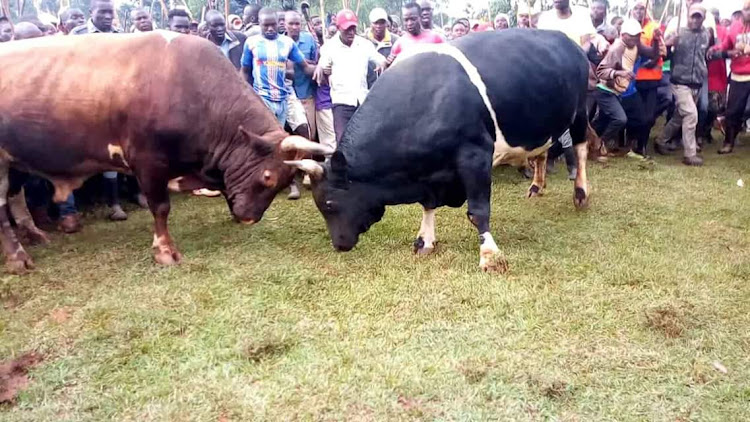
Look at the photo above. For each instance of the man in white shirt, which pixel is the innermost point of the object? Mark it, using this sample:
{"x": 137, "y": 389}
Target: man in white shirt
{"x": 344, "y": 58}
{"x": 575, "y": 23}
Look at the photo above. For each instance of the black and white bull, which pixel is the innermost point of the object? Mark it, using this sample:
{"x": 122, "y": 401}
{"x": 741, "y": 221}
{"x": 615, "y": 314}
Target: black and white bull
{"x": 434, "y": 125}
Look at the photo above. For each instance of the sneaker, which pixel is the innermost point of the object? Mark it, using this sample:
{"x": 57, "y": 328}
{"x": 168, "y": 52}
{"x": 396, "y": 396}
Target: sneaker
{"x": 69, "y": 224}
{"x": 141, "y": 199}
{"x": 572, "y": 173}
{"x": 117, "y": 213}
{"x": 293, "y": 192}
{"x": 693, "y": 161}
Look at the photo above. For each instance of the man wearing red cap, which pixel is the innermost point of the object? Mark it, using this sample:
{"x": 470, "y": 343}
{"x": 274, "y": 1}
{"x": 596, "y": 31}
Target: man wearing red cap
{"x": 345, "y": 59}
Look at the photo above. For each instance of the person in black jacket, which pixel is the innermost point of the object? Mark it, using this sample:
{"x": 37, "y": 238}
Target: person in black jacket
{"x": 689, "y": 72}
{"x": 230, "y": 42}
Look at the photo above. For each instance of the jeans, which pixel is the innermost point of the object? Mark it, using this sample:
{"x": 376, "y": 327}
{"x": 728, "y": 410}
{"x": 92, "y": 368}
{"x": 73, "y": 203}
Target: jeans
{"x": 342, "y": 113}
{"x": 612, "y": 118}
{"x": 278, "y": 108}
{"x": 68, "y": 207}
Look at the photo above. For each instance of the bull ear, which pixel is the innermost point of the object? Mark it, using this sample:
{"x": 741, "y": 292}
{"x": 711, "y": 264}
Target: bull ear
{"x": 300, "y": 144}
{"x": 260, "y": 146}
{"x": 339, "y": 171}
{"x": 310, "y": 167}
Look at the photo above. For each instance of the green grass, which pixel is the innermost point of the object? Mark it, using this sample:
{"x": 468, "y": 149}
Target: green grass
{"x": 615, "y": 313}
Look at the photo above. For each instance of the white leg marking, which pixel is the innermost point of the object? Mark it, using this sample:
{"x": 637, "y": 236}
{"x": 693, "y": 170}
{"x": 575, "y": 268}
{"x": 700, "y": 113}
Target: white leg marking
{"x": 427, "y": 229}
{"x": 488, "y": 244}
{"x": 490, "y": 258}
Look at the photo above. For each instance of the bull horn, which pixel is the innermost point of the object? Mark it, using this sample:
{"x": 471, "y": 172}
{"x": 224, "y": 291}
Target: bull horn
{"x": 298, "y": 143}
{"x": 310, "y": 167}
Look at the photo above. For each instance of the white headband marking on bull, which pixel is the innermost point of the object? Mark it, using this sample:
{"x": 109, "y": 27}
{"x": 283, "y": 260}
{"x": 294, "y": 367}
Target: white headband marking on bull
{"x": 168, "y": 35}
{"x": 504, "y": 153}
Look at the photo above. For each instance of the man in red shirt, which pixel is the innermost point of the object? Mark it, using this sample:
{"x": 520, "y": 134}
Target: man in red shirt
{"x": 737, "y": 46}
{"x": 414, "y": 33}
{"x": 718, "y": 82}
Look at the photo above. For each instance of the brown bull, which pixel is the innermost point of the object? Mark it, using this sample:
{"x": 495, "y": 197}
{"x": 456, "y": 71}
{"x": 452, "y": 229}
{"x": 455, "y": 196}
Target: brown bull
{"x": 158, "y": 105}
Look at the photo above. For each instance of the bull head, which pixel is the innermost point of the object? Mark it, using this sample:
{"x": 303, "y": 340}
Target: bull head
{"x": 348, "y": 207}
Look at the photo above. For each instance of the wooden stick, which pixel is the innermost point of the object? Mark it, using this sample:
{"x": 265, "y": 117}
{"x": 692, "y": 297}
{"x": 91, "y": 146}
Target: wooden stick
{"x": 679, "y": 16}
{"x": 226, "y": 10}
{"x": 664, "y": 12}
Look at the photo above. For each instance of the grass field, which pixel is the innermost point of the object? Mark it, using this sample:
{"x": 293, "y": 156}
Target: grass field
{"x": 621, "y": 312}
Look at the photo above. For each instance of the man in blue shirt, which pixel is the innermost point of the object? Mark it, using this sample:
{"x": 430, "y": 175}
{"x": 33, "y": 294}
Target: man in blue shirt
{"x": 304, "y": 86}
{"x": 264, "y": 63}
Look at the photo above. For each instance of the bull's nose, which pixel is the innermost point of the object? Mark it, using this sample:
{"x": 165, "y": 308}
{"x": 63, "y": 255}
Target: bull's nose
{"x": 343, "y": 248}
{"x": 248, "y": 222}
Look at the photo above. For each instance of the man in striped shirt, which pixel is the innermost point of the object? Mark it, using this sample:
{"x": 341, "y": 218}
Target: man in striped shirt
{"x": 264, "y": 63}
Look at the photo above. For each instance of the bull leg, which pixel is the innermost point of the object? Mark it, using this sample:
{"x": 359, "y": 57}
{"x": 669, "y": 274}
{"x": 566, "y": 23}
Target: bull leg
{"x": 17, "y": 261}
{"x": 475, "y": 171}
{"x": 24, "y": 221}
{"x": 581, "y": 189}
{"x": 425, "y": 243}
{"x": 154, "y": 186}
{"x": 540, "y": 175}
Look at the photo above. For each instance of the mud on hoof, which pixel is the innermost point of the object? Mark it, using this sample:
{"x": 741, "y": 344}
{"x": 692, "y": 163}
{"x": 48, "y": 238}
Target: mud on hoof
{"x": 580, "y": 198}
{"x": 167, "y": 257}
{"x": 534, "y": 191}
{"x": 421, "y": 249}
{"x": 493, "y": 262}
{"x": 19, "y": 263}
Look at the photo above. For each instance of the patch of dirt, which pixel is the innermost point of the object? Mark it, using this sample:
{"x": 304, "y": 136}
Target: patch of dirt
{"x": 551, "y": 388}
{"x": 60, "y": 315}
{"x": 257, "y": 351}
{"x": 413, "y": 407}
{"x": 475, "y": 370}
{"x": 668, "y": 319}
{"x": 14, "y": 376}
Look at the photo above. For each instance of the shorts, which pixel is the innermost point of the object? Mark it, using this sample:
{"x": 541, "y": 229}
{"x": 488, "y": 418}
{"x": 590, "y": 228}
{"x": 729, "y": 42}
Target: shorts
{"x": 278, "y": 108}
{"x": 295, "y": 114}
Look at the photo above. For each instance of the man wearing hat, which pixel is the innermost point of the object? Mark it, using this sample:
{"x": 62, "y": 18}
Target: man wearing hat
{"x": 689, "y": 72}
{"x": 345, "y": 59}
{"x": 379, "y": 33}
{"x": 619, "y": 105}
{"x": 381, "y": 37}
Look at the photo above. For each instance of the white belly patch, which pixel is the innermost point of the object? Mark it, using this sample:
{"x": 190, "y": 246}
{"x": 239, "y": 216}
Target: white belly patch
{"x": 504, "y": 153}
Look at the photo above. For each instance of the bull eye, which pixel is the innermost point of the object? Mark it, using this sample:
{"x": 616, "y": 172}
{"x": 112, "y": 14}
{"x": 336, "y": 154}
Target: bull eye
{"x": 269, "y": 179}
{"x": 329, "y": 205}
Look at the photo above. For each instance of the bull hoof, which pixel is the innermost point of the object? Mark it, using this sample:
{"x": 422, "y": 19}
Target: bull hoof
{"x": 33, "y": 236}
{"x": 168, "y": 258}
{"x": 421, "y": 249}
{"x": 19, "y": 263}
{"x": 493, "y": 263}
{"x": 534, "y": 191}
{"x": 580, "y": 199}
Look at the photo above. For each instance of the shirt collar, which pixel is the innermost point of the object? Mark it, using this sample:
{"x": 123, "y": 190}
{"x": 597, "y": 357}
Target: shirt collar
{"x": 92, "y": 29}
{"x": 386, "y": 39}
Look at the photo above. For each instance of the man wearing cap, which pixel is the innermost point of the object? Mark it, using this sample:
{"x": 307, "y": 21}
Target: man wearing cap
{"x": 620, "y": 107}
{"x": 689, "y": 71}
{"x": 414, "y": 33}
{"x": 381, "y": 37}
{"x": 345, "y": 59}
{"x": 379, "y": 33}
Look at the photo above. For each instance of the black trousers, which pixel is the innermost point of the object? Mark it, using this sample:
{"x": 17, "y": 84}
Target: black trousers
{"x": 342, "y": 113}
{"x": 616, "y": 114}
{"x": 649, "y": 93}
{"x": 739, "y": 92}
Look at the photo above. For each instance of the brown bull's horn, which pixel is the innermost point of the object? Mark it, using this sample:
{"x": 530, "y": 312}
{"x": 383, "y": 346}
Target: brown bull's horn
{"x": 298, "y": 143}
{"x": 311, "y": 167}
